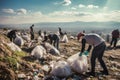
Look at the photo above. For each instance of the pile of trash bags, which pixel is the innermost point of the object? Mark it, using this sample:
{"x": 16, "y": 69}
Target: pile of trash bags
{"x": 74, "y": 63}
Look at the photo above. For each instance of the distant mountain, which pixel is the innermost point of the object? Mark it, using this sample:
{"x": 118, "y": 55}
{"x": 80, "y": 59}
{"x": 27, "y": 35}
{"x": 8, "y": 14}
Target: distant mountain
{"x": 69, "y": 26}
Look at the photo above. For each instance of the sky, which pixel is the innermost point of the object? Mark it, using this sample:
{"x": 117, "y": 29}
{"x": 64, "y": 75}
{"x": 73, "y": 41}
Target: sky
{"x": 35, "y": 11}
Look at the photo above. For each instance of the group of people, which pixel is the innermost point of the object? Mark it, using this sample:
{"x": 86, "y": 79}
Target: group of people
{"x": 54, "y": 38}
{"x": 92, "y": 39}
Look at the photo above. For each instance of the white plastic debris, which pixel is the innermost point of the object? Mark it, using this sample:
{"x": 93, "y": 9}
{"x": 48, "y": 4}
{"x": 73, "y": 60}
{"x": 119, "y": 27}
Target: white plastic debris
{"x": 19, "y": 41}
{"x": 65, "y": 39}
{"x": 14, "y": 47}
{"x": 61, "y": 69}
{"x": 26, "y": 37}
{"x": 72, "y": 37}
{"x": 46, "y": 68}
{"x": 35, "y": 77}
{"x": 78, "y": 63}
{"x": 38, "y": 52}
{"x": 51, "y": 49}
{"x": 21, "y": 75}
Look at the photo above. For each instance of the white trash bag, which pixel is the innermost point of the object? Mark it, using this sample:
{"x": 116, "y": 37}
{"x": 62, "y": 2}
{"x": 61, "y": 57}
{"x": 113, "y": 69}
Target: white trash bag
{"x": 78, "y": 63}
{"x": 65, "y": 39}
{"x": 19, "y": 41}
{"x": 14, "y": 47}
{"x": 50, "y": 48}
{"x": 61, "y": 69}
{"x": 38, "y": 52}
{"x": 26, "y": 37}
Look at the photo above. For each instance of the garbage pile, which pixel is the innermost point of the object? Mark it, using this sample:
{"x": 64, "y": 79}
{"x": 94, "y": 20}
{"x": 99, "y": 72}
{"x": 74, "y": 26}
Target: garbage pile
{"x": 35, "y": 62}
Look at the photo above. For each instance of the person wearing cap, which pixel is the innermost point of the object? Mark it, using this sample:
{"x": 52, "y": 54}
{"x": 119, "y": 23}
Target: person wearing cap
{"x": 99, "y": 46}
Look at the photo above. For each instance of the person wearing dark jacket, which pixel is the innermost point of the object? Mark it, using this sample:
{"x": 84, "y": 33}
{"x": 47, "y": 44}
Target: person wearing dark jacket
{"x": 60, "y": 31}
{"x": 99, "y": 46}
{"x": 54, "y": 39}
{"x": 32, "y": 32}
{"x": 12, "y": 35}
{"x": 115, "y": 35}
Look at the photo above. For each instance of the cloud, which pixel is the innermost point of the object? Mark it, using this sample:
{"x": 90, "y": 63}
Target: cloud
{"x": 21, "y": 11}
{"x": 69, "y": 13}
{"x": 62, "y": 16}
{"x": 67, "y": 2}
{"x": 37, "y": 13}
{"x": 105, "y": 8}
{"x": 9, "y": 11}
{"x": 92, "y": 6}
{"x": 64, "y": 3}
{"x": 88, "y": 6}
{"x": 73, "y": 8}
{"x": 12, "y": 11}
{"x": 82, "y": 6}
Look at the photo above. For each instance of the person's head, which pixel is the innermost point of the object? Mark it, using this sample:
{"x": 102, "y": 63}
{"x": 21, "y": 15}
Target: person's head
{"x": 65, "y": 33}
{"x": 80, "y": 35}
{"x": 45, "y": 32}
{"x": 32, "y": 25}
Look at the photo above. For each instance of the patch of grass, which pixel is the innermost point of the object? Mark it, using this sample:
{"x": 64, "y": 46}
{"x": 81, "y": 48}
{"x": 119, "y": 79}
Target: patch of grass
{"x": 20, "y": 54}
{"x": 12, "y": 62}
{"x": 1, "y": 59}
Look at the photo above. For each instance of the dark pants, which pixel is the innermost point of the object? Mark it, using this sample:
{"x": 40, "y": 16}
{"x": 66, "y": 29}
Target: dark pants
{"x": 98, "y": 52}
{"x": 56, "y": 43}
{"x": 115, "y": 42}
{"x": 54, "y": 39}
{"x": 32, "y": 36}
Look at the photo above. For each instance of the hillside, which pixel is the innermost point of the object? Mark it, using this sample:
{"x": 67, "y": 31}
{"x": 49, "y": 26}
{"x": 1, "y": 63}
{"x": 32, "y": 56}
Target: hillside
{"x": 16, "y": 64}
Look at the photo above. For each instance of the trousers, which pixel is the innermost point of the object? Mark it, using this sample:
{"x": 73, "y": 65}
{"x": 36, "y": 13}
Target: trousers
{"x": 97, "y": 53}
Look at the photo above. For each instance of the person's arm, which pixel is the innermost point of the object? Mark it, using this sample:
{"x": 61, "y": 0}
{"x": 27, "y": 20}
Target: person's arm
{"x": 45, "y": 38}
{"x": 89, "y": 48}
{"x": 83, "y": 45}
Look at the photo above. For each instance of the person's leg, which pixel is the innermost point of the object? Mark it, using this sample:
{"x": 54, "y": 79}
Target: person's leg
{"x": 93, "y": 59}
{"x": 32, "y": 36}
{"x": 115, "y": 42}
{"x": 111, "y": 42}
{"x": 54, "y": 43}
{"x": 100, "y": 55}
{"x": 10, "y": 37}
{"x": 57, "y": 44}
{"x": 51, "y": 41}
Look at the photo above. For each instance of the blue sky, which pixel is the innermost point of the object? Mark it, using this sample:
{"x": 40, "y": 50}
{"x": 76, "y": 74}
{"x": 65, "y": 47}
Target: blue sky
{"x": 34, "y": 11}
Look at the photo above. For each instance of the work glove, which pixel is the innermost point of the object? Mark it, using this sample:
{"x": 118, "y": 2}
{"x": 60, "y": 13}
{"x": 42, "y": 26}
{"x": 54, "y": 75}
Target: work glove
{"x": 86, "y": 53}
{"x": 80, "y": 54}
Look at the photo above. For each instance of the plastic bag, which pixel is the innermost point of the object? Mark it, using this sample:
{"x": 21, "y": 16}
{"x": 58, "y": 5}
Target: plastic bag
{"x": 38, "y": 52}
{"x": 51, "y": 49}
{"x": 61, "y": 69}
{"x": 14, "y": 47}
{"x": 78, "y": 63}
{"x": 65, "y": 39}
{"x": 19, "y": 41}
{"x": 26, "y": 37}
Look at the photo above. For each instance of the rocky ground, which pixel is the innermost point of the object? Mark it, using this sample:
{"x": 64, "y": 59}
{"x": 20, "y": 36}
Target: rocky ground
{"x": 21, "y": 66}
